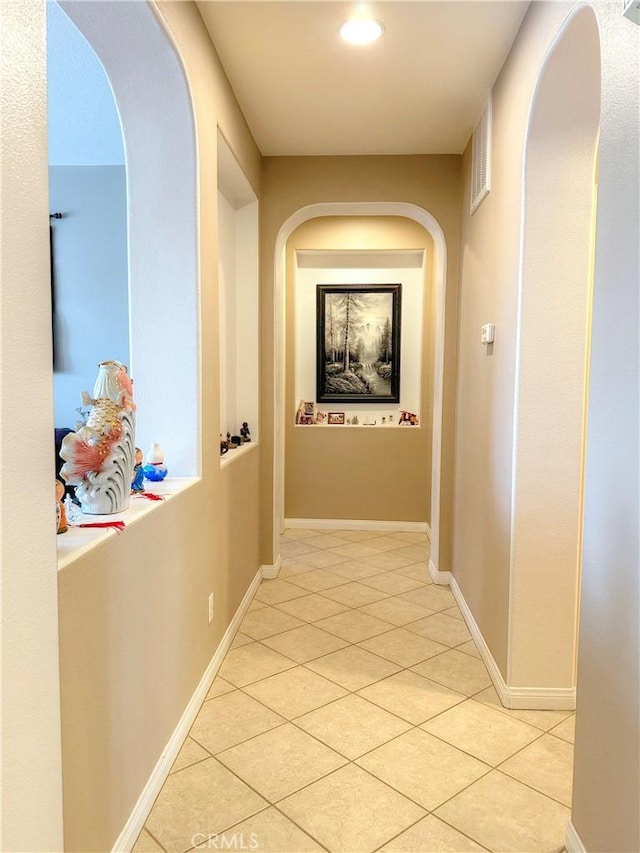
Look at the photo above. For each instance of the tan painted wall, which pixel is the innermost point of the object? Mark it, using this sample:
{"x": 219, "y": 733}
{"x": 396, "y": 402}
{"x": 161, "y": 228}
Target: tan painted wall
{"x": 290, "y": 183}
{"x": 360, "y": 473}
{"x": 555, "y": 308}
{"x": 486, "y": 375}
{"x": 135, "y": 641}
{"x": 31, "y": 776}
{"x": 606, "y": 789}
{"x": 605, "y": 816}
{"x": 134, "y": 633}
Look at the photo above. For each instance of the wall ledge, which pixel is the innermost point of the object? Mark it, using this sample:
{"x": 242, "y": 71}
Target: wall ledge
{"x": 370, "y": 427}
{"x": 573, "y": 842}
{"x": 137, "y": 819}
{"x": 231, "y": 455}
{"x": 358, "y": 524}
{"x": 516, "y": 698}
{"x": 78, "y": 541}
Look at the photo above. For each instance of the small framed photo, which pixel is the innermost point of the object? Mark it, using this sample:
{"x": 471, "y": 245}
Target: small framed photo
{"x": 336, "y": 418}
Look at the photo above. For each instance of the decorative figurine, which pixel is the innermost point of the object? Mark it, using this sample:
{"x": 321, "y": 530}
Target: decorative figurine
{"x": 384, "y": 420}
{"x": 61, "y": 515}
{"x": 137, "y": 484}
{"x": 354, "y": 420}
{"x": 224, "y": 446}
{"x": 306, "y": 413}
{"x": 73, "y": 511}
{"x": 99, "y": 457}
{"x": 155, "y": 469}
{"x": 244, "y": 432}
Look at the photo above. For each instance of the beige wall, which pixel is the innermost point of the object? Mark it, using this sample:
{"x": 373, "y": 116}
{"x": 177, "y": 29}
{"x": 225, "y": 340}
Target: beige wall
{"x": 605, "y": 816}
{"x": 291, "y": 183}
{"x": 489, "y": 274}
{"x": 555, "y": 305}
{"x": 31, "y": 781}
{"x": 134, "y": 632}
{"x": 135, "y": 641}
{"x": 606, "y": 789}
{"x": 360, "y": 473}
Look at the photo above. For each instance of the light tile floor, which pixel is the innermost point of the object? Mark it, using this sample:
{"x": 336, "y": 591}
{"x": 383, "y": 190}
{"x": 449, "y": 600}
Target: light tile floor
{"x": 353, "y": 714}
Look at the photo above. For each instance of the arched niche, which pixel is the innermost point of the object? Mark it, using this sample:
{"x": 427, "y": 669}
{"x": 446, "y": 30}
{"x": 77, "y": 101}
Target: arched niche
{"x": 554, "y": 309}
{"x": 154, "y": 104}
{"x": 429, "y": 222}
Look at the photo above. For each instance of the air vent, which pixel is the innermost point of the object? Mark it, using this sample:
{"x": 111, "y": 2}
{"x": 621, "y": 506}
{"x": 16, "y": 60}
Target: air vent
{"x": 481, "y": 160}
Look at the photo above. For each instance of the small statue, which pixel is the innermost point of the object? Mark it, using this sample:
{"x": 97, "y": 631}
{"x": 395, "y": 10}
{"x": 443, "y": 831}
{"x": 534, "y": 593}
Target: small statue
{"x": 61, "y": 515}
{"x": 137, "y": 484}
{"x": 408, "y": 419}
{"x": 224, "y": 446}
{"x": 354, "y": 420}
{"x": 73, "y": 511}
{"x": 230, "y": 444}
{"x": 244, "y": 432}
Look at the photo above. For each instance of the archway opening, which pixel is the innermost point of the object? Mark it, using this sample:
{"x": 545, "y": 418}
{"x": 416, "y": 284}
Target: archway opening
{"x": 423, "y": 218}
{"x": 162, "y": 226}
{"x": 551, "y": 379}
{"x": 157, "y": 122}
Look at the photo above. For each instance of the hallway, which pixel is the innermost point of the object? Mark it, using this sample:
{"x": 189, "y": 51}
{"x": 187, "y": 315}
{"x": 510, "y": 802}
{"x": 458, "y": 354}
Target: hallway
{"x": 353, "y": 713}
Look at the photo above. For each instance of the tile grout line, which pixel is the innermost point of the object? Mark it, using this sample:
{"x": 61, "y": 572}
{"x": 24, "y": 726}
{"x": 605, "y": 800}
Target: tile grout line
{"x": 413, "y": 726}
{"x": 144, "y": 829}
{"x": 354, "y": 692}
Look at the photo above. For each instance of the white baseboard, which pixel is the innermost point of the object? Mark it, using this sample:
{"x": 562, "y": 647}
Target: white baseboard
{"x": 573, "y": 842}
{"x": 516, "y": 698}
{"x": 494, "y": 671}
{"x": 270, "y": 572}
{"x": 358, "y": 524}
{"x": 140, "y": 813}
{"x": 442, "y": 578}
{"x": 542, "y": 698}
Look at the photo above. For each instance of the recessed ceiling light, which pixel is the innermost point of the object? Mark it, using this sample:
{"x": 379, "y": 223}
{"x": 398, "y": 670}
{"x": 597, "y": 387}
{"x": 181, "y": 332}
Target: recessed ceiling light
{"x": 361, "y": 31}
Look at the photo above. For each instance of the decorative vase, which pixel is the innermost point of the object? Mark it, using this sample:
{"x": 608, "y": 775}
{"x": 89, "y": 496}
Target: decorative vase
{"x": 155, "y": 469}
{"x": 100, "y": 456}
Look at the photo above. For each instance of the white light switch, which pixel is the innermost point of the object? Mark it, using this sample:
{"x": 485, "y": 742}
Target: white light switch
{"x": 488, "y": 333}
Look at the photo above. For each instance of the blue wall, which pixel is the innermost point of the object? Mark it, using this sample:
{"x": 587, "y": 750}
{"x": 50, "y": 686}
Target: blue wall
{"x": 84, "y": 125}
{"x": 87, "y": 184}
{"x": 90, "y": 275}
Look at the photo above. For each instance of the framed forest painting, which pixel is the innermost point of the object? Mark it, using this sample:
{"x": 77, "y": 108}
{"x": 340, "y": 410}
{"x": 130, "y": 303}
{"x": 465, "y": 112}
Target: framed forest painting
{"x": 358, "y": 343}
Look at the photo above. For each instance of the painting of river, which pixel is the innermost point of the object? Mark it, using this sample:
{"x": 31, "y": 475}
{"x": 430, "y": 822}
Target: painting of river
{"x": 358, "y": 345}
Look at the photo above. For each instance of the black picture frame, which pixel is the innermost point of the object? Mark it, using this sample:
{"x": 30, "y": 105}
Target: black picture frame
{"x": 358, "y": 343}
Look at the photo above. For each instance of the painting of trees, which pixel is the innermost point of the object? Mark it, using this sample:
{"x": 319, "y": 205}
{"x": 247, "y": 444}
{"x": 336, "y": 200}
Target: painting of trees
{"x": 358, "y": 347}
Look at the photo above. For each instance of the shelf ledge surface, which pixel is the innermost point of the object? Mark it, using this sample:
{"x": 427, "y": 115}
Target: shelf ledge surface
{"x": 78, "y": 541}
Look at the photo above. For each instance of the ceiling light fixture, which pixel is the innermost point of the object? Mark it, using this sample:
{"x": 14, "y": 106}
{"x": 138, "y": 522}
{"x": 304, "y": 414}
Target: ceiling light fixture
{"x": 361, "y": 31}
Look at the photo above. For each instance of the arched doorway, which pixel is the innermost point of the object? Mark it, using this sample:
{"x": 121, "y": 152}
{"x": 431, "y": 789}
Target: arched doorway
{"x": 554, "y": 309}
{"x": 162, "y": 225}
{"x": 422, "y": 217}
{"x": 156, "y": 115}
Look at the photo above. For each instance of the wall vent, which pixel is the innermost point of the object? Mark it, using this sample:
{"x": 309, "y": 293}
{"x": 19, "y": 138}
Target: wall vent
{"x": 481, "y": 158}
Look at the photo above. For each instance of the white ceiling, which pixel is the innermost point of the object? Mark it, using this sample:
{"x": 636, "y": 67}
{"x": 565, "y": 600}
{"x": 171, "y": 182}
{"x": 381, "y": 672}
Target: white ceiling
{"x": 419, "y": 90}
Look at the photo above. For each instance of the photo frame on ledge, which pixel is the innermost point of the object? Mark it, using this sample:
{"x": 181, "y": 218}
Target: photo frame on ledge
{"x": 358, "y": 343}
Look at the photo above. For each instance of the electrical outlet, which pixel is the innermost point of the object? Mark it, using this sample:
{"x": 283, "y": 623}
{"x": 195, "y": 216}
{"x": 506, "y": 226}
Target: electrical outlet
{"x": 210, "y": 608}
